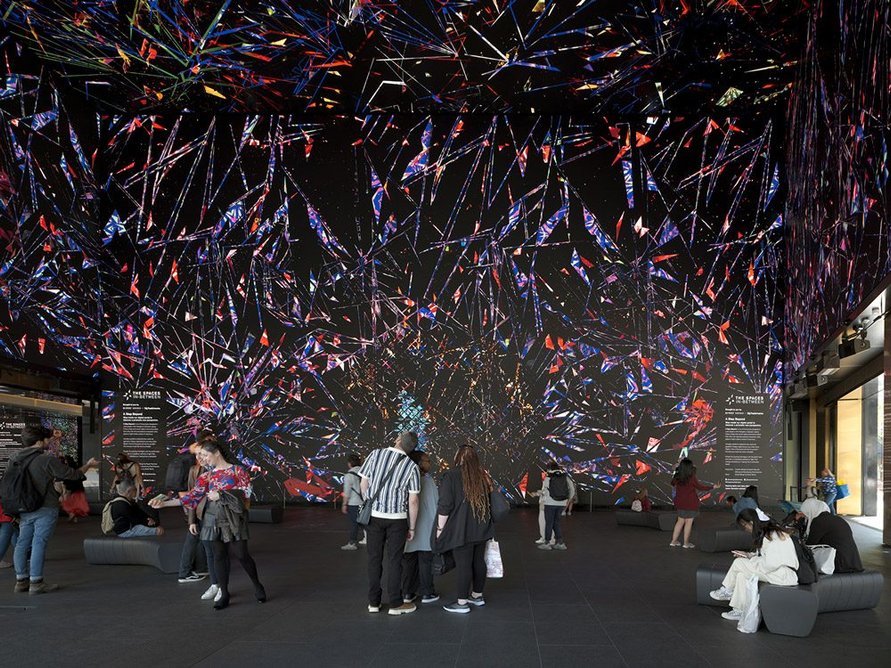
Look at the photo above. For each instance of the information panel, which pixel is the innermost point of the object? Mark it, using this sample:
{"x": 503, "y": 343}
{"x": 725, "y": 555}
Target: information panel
{"x": 143, "y": 432}
{"x": 745, "y": 440}
{"x": 13, "y": 419}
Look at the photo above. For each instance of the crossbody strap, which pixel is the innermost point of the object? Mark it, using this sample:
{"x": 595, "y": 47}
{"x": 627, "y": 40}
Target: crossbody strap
{"x": 384, "y": 481}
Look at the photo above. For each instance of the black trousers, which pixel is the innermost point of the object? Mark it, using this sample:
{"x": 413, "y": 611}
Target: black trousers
{"x": 470, "y": 567}
{"x": 385, "y": 536}
{"x": 417, "y": 573}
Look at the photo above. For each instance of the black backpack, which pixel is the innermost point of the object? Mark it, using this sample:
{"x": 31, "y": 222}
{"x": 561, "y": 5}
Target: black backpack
{"x": 177, "y": 477}
{"x": 18, "y": 493}
{"x": 558, "y": 487}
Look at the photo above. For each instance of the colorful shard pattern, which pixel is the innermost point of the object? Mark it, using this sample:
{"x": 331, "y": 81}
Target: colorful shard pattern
{"x": 554, "y": 287}
{"x": 360, "y": 56}
{"x": 838, "y": 206}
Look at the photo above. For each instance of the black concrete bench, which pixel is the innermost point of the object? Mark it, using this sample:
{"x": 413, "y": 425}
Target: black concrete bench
{"x": 723, "y": 539}
{"x": 663, "y": 520}
{"x": 109, "y": 550}
{"x": 792, "y": 611}
{"x": 266, "y": 514}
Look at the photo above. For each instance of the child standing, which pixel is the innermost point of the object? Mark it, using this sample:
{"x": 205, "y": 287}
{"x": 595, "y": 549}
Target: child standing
{"x": 352, "y": 499}
{"x": 417, "y": 560}
{"x": 557, "y": 488}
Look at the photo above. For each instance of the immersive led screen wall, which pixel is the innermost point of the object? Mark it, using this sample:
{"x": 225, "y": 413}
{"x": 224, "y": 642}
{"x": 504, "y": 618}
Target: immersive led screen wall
{"x": 537, "y": 287}
{"x": 602, "y": 289}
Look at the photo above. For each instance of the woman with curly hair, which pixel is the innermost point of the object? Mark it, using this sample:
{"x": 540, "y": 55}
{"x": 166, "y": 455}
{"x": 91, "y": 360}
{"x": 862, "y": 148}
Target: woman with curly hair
{"x": 464, "y": 524}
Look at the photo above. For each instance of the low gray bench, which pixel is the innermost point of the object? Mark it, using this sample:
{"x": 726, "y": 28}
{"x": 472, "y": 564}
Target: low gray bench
{"x": 723, "y": 539}
{"x": 109, "y": 550}
{"x": 663, "y": 520}
{"x": 792, "y": 611}
{"x": 266, "y": 514}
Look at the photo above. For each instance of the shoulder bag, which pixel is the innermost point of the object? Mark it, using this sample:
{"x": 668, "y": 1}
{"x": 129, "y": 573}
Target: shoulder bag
{"x": 364, "y": 516}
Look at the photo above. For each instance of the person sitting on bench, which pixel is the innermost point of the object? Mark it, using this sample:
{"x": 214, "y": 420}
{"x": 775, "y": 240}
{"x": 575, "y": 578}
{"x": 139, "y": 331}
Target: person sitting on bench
{"x": 816, "y": 523}
{"x": 130, "y": 520}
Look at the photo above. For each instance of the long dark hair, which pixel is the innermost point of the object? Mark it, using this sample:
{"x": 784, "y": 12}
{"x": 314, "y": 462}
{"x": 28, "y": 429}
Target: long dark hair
{"x": 213, "y": 445}
{"x": 760, "y": 528}
{"x": 477, "y": 484}
{"x": 684, "y": 471}
{"x": 752, "y": 493}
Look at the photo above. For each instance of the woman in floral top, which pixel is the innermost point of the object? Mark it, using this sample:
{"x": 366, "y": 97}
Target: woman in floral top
{"x": 219, "y": 499}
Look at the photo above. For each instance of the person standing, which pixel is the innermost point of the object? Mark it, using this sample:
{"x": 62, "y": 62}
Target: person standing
{"x": 556, "y": 490}
{"x": 828, "y": 488}
{"x": 686, "y": 501}
{"x": 74, "y": 499}
{"x": 417, "y": 562}
{"x": 464, "y": 524}
{"x": 393, "y": 481}
{"x": 224, "y": 490}
{"x": 352, "y": 499}
{"x": 9, "y": 533}
{"x": 126, "y": 469}
{"x": 36, "y": 527}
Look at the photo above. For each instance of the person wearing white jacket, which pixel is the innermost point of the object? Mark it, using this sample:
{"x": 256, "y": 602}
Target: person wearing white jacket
{"x": 775, "y": 561}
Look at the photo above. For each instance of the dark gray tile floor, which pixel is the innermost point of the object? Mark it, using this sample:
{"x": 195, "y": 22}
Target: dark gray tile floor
{"x": 618, "y": 597}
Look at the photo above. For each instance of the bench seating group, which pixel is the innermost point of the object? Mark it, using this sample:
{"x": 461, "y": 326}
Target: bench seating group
{"x": 792, "y": 611}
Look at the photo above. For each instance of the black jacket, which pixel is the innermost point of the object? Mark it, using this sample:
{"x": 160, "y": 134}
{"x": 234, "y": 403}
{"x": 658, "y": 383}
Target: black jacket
{"x": 462, "y": 528}
{"x": 829, "y": 529}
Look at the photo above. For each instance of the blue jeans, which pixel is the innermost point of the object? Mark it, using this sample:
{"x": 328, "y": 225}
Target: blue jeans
{"x": 139, "y": 531}
{"x": 552, "y": 523}
{"x": 829, "y": 500}
{"x": 9, "y": 532}
{"x": 35, "y": 530}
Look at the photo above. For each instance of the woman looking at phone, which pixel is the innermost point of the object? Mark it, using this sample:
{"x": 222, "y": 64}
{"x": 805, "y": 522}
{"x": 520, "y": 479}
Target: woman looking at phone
{"x": 773, "y": 561}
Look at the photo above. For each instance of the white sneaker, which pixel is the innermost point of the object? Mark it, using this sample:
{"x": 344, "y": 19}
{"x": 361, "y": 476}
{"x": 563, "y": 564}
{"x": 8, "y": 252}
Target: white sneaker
{"x": 364, "y": 540}
{"x": 732, "y": 615}
{"x": 218, "y": 596}
{"x": 212, "y": 591}
{"x": 349, "y": 546}
{"x": 540, "y": 541}
{"x": 373, "y": 608}
{"x": 722, "y": 594}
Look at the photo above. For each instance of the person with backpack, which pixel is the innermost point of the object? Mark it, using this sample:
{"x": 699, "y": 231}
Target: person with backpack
{"x": 126, "y": 517}
{"x": 775, "y": 561}
{"x": 556, "y": 490}
{"x": 126, "y": 469}
{"x": 27, "y": 491}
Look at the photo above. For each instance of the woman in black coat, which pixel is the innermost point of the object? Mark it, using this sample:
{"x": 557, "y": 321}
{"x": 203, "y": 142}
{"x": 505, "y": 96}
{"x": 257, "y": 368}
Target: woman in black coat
{"x": 464, "y": 524}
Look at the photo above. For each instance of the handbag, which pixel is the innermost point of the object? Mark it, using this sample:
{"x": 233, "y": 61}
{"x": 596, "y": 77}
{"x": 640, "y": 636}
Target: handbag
{"x": 364, "y": 516}
{"x": 443, "y": 562}
{"x": 842, "y": 491}
{"x": 494, "y": 565}
{"x": 498, "y": 505}
{"x": 751, "y": 618}
{"x": 824, "y": 556}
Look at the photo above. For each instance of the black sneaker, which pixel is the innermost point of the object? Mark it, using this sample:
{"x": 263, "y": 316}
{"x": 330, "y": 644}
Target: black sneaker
{"x": 478, "y": 601}
{"x": 192, "y": 577}
{"x": 429, "y": 598}
{"x": 460, "y": 608}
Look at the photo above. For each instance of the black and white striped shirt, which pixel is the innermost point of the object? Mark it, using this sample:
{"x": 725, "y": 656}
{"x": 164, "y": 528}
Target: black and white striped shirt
{"x": 392, "y": 503}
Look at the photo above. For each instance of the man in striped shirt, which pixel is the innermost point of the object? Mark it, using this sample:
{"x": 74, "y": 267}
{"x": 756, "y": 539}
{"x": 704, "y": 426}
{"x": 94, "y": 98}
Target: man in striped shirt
{"x": 394, "y": 481}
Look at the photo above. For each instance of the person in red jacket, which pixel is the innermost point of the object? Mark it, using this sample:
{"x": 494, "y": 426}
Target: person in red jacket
{"x": 686, "y": 501}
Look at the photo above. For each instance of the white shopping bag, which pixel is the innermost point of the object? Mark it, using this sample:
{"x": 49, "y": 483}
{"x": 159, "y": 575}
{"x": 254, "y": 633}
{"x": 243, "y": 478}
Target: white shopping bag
{"x": 824, "y": 555}
{"x": 751, "y": 619}
{"x": 494, "y": 567}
